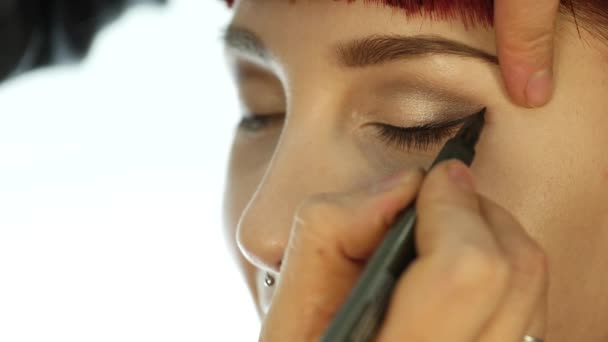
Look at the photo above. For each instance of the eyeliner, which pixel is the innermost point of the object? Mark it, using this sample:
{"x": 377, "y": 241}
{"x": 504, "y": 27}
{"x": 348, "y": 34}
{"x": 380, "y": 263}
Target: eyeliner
{"x": 360, "y": 317}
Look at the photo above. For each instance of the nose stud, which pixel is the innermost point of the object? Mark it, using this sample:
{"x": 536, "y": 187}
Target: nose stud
{"x": 268, "y": 280}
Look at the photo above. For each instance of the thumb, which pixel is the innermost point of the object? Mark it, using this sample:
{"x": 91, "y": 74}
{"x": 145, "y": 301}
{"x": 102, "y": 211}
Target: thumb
{"x": 333, "y": 234}
{"x": 524, "y": 35}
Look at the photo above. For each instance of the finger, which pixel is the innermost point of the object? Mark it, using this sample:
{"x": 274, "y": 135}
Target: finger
{"x": 451, "y": 291}
{"x": 332, "y": 236}
{"x": 524, "y": 36}
{"x": 523, "y": 309}
{"x": 538, "y": 327}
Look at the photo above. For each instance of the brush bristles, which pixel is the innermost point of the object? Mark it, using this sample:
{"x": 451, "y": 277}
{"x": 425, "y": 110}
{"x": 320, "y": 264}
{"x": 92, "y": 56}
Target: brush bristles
{"x": 471, "y": 130}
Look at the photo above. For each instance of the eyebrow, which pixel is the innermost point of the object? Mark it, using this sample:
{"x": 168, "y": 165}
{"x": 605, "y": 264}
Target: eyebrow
{"x": 369, "y": 51}
{"x": 244, "y": 41}
{"x": 379, "y": 49}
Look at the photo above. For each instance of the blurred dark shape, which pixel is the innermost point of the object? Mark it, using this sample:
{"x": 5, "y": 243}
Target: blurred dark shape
{"x": 36, "y": 33}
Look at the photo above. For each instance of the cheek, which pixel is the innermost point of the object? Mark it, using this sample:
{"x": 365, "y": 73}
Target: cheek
{"x": 544, "y": 167}
{"x": 520, "y": 166}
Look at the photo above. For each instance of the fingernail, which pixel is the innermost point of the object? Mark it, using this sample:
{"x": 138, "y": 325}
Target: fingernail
{"x": 392, "y": 181}
{"x": 461, "y": 175}
{"x": 539, "y": 88}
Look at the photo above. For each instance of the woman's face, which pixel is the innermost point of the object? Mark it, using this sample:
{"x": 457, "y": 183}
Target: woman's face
{"x": 321, "y": 80}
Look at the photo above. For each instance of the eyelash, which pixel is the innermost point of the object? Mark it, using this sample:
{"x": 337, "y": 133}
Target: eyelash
{"x": 419, "y": 138}
{"x": 406, "y": 138}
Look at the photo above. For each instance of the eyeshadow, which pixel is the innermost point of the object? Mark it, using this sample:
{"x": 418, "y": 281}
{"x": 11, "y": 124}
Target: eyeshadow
{"x": 420, "y": 104}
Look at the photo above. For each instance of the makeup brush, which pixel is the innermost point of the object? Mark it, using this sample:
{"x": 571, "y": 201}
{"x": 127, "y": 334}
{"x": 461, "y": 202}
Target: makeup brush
{"x": 360, "y": 317}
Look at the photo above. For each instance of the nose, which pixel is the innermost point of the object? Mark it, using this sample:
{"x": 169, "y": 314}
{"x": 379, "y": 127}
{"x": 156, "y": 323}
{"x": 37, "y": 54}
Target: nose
{"x": 298, "y": 168}
{"x": 265, "y": 225}
{"x": 263, "y": 230}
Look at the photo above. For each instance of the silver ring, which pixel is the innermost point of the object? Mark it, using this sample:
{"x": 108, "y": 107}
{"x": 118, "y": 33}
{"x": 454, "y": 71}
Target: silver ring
{"x": 269, "y": 281}
{"x": 528, "y": 338}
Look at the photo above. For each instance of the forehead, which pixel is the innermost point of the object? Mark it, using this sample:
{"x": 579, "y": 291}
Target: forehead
{"x": 471, "y": 12}
{"x": 293, "y": 26}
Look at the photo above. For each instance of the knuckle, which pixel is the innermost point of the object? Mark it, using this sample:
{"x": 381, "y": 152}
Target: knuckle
{"x": 435, "y": 203}
{"x": 531, "y": 264}
{"x": 477, "y": 268}
{"x": 529, "y": 43}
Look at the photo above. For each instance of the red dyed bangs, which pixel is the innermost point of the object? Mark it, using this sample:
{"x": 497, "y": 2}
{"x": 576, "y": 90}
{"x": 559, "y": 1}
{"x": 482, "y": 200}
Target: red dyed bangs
{"x": 469, "y": 11}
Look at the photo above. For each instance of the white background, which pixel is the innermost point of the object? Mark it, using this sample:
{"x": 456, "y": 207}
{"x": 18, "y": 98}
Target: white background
{"x": 111, "y": 180}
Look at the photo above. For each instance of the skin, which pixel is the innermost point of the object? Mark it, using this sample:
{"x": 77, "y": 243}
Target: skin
{"x": 542, "y": 167}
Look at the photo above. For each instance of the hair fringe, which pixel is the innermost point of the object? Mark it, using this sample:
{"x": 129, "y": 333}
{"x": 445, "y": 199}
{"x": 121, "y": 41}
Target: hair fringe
{"x": 592, "y": 15}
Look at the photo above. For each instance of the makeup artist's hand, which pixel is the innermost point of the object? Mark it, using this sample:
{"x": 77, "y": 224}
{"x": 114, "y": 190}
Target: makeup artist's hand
{"x": 478, "y": 276}
{"x": 524, "y": 35}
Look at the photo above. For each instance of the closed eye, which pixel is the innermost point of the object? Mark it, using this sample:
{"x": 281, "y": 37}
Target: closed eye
{"x": 413, "y": 138}
{"x": 419, "y": 138}
{"x": 257, "y": 122}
